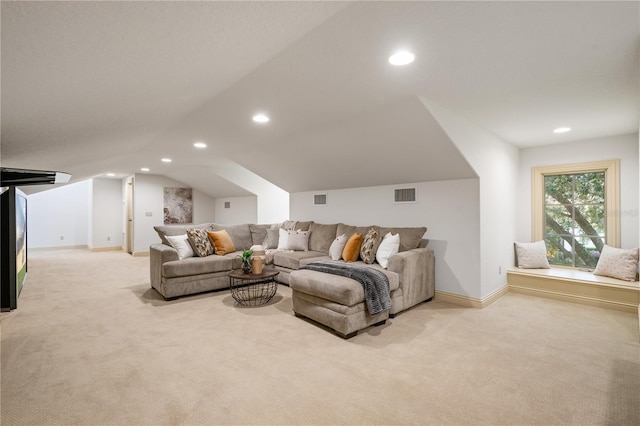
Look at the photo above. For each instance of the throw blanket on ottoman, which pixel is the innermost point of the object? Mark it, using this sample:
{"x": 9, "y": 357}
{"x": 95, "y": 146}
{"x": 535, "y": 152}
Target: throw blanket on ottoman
{"x": 374, "y": 282}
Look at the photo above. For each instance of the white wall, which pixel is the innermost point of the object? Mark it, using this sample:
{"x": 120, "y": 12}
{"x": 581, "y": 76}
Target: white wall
{"x": 449, "y": 210}
{"x": 272, "y": 201}
{"x": 148, "y": 208}
{"x": 496, "y": 163}
{"x": 105, "y": 217}
{"x": 624, "y": 148}
{"x": 241, "y": 210}
{"x": 59, "y": 217}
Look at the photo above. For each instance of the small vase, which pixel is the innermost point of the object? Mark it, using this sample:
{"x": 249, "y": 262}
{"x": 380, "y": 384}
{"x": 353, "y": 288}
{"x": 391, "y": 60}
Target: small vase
{"x": 246, "y": 268}
{"x": 256, "y": 265}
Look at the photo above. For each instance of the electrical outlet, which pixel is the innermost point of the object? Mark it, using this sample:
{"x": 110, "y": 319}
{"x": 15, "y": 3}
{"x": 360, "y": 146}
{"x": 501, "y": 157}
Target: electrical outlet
{"x": 108, "y": 238}
{"x": 500, "y": 270}
{"x": 61, "y": 237}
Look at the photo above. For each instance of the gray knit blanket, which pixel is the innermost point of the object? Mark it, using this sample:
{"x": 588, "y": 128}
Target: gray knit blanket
{"x": 375, "y": 283}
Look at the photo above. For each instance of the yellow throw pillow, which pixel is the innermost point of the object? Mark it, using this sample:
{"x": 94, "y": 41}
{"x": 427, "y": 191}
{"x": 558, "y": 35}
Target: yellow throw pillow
{"x": 221, "y": 242}
{"x": 352, "y": 248}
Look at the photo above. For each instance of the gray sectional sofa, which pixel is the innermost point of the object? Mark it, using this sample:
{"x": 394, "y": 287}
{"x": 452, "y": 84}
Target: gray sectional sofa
{"x": 334, "y": 301}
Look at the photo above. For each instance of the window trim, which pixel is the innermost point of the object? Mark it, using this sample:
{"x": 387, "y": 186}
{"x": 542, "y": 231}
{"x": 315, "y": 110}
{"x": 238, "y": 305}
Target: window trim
{"x": 611, "y": 169}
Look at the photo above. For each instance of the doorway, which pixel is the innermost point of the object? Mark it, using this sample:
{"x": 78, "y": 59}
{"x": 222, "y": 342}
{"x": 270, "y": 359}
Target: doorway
{"x": 129, "y": 216}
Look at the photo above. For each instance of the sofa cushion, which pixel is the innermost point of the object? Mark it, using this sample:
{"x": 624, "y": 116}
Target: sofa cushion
{"x": 369, "y": 245}
{"x": 164, "y": 230}
{"x": 199, "y": 240}
{"x": 321, "y": 236}
{"x": 240, "y": 235}
{"x": 302, "y": 226}
{"x": 222, "y": 242}
{"x": 351, "y": 250}
{"x": 271, "y": 240}
{"x": 196, "y": 266}
{"x": 349, "y": 230}
{"x": 258, "y": 233}
{"x": 410, "y": 238}
{"x": 293, "y": 259}
{"x": 336, "y": 288}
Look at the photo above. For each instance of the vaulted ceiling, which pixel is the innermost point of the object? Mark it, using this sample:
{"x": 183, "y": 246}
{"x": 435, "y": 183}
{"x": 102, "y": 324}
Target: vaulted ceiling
{"x": 96, "y": 87}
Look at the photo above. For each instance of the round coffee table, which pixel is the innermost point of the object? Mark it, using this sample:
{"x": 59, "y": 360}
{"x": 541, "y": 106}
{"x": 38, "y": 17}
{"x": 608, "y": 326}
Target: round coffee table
{"x": 253, "y": 289}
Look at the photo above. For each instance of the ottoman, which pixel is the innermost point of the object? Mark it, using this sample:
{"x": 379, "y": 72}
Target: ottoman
{"x": 334, "y": 301}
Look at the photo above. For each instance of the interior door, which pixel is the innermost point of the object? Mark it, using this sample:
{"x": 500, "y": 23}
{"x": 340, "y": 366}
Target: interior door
{"x": 129, "y": 208}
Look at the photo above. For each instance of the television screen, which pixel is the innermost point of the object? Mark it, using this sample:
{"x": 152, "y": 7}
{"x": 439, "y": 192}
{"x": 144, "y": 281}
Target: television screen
{"x": 21, "y": 240}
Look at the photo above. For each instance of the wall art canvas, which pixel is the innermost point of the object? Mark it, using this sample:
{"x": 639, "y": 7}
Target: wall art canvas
{"x": 178, "y": 205}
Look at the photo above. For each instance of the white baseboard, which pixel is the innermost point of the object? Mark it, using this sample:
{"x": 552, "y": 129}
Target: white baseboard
{"x": 471, "y": 302}
{"x": 57, "y": 248}
{"x": 114, "y": 248}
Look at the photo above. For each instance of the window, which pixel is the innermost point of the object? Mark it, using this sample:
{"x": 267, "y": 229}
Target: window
{"x": 574, "y": 211}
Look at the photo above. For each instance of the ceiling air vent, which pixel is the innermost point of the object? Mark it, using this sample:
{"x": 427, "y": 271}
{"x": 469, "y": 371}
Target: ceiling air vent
{"x": 405, "y": 195}
{"x": 319, "y": 199}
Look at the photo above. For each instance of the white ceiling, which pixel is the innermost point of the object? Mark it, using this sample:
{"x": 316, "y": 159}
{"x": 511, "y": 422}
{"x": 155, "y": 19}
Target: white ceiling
{"x": 96, "y": 87}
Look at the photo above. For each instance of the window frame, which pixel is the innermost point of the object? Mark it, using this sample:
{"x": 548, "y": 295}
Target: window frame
{"x": 611, "y": 169}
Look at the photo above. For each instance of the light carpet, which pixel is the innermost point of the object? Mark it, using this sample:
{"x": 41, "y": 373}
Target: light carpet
{"x": 92, "y": 344}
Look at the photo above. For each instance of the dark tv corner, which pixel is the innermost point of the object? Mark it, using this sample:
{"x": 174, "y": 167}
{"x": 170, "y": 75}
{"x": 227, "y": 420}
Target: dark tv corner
{"x": 13, "y": 247}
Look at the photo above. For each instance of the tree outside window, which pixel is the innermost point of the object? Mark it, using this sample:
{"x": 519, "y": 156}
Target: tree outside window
{"x": 575, "y": 225}
{"x": 575, "y": 211}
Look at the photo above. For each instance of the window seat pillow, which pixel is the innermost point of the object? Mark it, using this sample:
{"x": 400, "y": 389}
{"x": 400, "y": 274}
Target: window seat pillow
{"x": 531, "y": 255}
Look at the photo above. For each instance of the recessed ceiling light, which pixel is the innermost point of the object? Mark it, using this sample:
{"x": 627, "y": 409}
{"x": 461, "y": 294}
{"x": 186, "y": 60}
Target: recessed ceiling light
{"x": 401, "y": 57}
{"x": 562, "y": 130}
{"x": 145, "y": 169}
{"x": 166, "y": 160}
{"x": 260, "y": 118}
{"x": 200, "y": 145}
{"x": 111, "y": 174}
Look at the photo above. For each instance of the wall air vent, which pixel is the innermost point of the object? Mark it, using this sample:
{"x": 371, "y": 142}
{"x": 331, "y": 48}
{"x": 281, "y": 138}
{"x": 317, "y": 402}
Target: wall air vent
{"x": 405, "y": 195}
{"x": 227, "y": 204}
{"x": 319, "y": 199}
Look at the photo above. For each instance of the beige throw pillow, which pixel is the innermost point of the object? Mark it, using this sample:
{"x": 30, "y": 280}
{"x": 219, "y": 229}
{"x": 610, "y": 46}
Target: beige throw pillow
{"x": 532, "y": 255}
{"x": 298, "y": 240}
{"x": 618, "y": 263}
{"x": 335, "y": 251}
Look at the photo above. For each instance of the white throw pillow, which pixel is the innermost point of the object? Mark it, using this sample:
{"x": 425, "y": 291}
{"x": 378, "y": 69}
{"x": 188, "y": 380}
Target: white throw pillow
{"x": 618, "y": 263}
{"x": 181, "y": 244}
{"x": 298, "y": 240}
{"x": 335, "y": 251}
{"x": 532, "y": 255}
{"x": 283, "y": 236}
{"x": 389, "y": 246}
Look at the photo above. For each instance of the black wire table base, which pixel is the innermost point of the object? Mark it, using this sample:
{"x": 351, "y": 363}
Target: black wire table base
{"x": 253, "y": 289}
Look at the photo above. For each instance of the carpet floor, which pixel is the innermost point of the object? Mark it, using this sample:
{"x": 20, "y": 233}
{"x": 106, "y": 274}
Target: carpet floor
{"x": 92, "y": 344}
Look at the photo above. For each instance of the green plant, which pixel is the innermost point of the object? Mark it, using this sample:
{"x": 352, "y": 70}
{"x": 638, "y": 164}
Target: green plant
{"x": 246, "y": 260}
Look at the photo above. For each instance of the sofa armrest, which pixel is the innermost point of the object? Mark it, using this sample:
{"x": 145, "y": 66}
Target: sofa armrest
{"x": 416, "y": 269}
{"x": 160, "y": 254}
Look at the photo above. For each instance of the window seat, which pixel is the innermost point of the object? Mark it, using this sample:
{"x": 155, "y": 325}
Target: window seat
{"x": 576, "y": 286}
